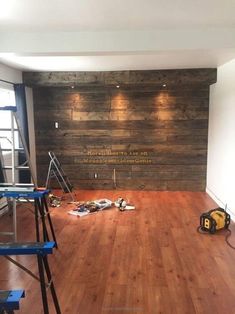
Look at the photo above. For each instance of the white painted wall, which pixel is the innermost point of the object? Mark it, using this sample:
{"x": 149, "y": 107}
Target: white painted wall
{"x": 10, "y": 74}
{"x": 221, "y": 139}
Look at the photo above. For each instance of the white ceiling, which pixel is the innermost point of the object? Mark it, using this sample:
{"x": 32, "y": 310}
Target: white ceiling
{"x": 103, "y": 15}
{"x": 94, "y": 35}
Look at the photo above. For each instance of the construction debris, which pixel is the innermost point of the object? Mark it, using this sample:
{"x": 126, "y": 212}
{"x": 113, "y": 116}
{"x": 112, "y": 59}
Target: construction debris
{"x": 84, "y": 208}
{"x": 122, "y": 204}
{"x": 54, "y": 201}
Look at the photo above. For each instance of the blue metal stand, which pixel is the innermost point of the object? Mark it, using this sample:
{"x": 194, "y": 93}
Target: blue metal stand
{"x": 9, "y": 302}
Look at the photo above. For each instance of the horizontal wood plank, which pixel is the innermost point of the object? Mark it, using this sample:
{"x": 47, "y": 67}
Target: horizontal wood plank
{"x": 157, "y": 77}
{"x": 150, "y": 260}
{"x": 154, "y": 137}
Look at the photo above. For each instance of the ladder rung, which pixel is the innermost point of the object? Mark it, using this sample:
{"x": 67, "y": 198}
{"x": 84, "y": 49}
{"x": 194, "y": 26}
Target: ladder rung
{"x": 28, "y": 200}
{"x": 9, "y": 149}
{"x": 8, "y": 129}
{"x": 24, "y": 184}
{"x": 16, "y": 184}
{"x": 17, "y": 167}
{"x": 9, "y": 108}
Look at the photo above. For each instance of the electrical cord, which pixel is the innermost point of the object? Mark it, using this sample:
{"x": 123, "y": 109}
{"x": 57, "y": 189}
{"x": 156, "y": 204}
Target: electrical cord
{"x": 227, "y": 236}
{"x": 226, "y": 239}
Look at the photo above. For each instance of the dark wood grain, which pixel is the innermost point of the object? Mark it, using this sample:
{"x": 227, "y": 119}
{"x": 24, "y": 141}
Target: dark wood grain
{"x": 153, "y": 127}
{"x": 156, "y": 77}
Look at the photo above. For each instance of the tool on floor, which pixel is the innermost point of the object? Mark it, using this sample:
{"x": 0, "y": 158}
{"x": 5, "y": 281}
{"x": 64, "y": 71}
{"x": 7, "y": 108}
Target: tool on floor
{"x": 123, "y": 205}
{"x": 56, "y": 171}
{"x": 54, "y": 201}
{"x": 216, "y": 220}
{"x": 41, "y": 250}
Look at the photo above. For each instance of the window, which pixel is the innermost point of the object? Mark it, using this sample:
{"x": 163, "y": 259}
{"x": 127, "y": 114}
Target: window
{"x": 7, "y": 98}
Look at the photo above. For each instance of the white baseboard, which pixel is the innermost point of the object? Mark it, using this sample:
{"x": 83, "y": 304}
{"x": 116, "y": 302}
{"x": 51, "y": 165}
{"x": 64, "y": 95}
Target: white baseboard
{"x": 215, "y": 198}
{"x": 219, "y": 202}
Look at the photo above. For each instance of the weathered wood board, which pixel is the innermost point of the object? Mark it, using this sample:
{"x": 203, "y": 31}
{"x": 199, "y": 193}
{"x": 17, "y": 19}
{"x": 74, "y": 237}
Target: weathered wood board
{"x": 154, "y": 137}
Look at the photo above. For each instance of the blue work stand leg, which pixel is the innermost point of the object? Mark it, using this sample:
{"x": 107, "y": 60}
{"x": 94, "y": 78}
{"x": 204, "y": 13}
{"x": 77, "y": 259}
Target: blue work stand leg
{"x": 43, "y": 265}
{"x": 41, "y": 210}
{"x": 50, "y": 221}
{"x": 43, "y": 284}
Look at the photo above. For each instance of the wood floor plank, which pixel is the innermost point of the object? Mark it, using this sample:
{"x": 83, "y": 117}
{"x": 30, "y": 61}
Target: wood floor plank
{"x": 150, "y": 260}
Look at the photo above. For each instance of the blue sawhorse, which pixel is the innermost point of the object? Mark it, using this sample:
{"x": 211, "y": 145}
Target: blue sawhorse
{"x": 41, "y": 249}
{"x": 40, "y": 210}
{"x": 9, "y": 300}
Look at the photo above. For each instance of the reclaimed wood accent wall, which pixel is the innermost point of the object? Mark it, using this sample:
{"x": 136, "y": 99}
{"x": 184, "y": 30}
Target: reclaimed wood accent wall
{"x": 142, "y": 135}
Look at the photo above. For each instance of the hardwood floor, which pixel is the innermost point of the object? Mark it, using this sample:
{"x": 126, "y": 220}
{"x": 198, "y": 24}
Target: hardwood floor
{"x": 151, "y": 260}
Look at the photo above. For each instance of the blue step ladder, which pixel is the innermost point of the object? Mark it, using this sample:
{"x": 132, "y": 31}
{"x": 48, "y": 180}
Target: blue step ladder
{"x": 41, "y": 250}
{"x": 10, "y": 300}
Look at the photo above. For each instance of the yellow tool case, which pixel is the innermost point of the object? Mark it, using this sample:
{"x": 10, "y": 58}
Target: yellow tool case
{"x": 214, "y": 220}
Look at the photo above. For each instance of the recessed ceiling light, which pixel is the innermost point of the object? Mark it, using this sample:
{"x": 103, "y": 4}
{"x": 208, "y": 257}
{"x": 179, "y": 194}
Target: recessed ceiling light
{"x": 72, "y": 86}
{"x": 118, "y": 86}
{"x": 163, "y": 85}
